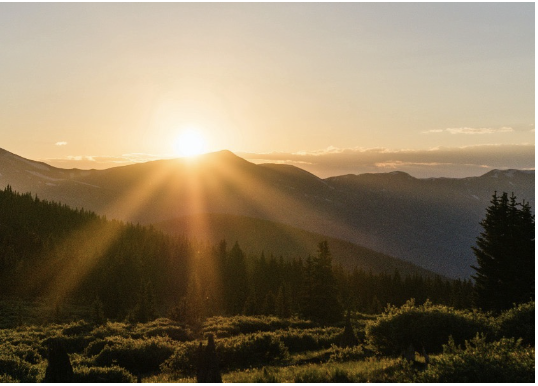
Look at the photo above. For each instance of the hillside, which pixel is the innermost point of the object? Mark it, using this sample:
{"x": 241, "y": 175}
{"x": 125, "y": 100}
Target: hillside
{"x": 432, "y": 222}
{"x": 256, "y": 236}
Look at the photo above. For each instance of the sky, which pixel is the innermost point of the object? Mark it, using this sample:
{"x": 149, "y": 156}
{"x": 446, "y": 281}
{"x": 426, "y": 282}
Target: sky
{"x": 434, "y": 89}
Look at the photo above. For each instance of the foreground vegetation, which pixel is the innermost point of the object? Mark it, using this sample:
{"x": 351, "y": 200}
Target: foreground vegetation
{"x": 103, "y": 284}
{"x": 461, "y": 346}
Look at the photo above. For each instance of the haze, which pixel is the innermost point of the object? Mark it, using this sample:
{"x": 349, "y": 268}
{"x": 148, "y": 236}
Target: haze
{"x": 434, "y": 89}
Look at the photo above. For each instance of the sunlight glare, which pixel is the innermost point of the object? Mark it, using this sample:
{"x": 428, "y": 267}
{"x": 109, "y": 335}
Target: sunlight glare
{"x": 189, "y": 143}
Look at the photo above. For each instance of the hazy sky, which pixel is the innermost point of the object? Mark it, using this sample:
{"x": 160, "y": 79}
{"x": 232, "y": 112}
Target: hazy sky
{"x": 92, "y": 85}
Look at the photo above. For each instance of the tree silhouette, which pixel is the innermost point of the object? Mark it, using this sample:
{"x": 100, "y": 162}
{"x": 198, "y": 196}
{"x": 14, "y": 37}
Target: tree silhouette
{"x": 320, "y": 290}
{"x": 505, "y": 255}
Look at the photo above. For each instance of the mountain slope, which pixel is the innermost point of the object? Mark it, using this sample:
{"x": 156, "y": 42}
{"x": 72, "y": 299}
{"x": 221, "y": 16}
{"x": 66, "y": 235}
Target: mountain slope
{"x": 256, "y": 236}
{"x": 429, "y": 222}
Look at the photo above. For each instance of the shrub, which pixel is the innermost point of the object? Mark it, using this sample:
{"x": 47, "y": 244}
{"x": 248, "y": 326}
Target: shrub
{"x": 112, "y": 374}
{"x": 139, "y": 356}
{"x": 237, "y": 352}
{"x": 96, "y": 347}
{"x": 298, "y": 340}
{"x": 23, "y": 351}
{"x": 14, "y": 367}
{"x": 111, "y": 329}
{"x": 77, "y": 328}
{"x": 518, "y": 322}
{"x": 502, "y": 361}
{"x": 347, "y": 354}
{"x": 425, "y": 326}
{"x": 72, "y": 344}
{"x": 250, "y": 350}
{"x": 165, "y": 327}
{"x": 223, "y": 327}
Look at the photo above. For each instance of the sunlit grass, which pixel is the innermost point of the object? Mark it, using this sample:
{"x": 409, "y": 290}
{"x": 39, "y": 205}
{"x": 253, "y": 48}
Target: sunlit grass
{"x": 378, "y": 370}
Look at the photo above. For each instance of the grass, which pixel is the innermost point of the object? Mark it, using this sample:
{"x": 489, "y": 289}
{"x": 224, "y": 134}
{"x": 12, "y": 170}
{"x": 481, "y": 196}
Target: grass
{"x": 265, "y": 349}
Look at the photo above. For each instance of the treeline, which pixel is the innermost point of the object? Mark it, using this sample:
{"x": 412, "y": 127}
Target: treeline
{"x": 129, "y": 271}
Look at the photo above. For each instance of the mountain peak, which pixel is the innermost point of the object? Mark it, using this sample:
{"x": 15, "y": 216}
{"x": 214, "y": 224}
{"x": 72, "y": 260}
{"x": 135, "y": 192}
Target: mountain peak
{"x": 506, "y": 173}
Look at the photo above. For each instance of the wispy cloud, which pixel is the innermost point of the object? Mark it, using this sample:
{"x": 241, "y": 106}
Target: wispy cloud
{"x": 61, "y": 143}
{"x": 435, "y": 162}
{"x": 332, "y": 161}
{"x": 471, "y": 130}
{"x": 483, "y": 130}
{"x": 101, "y": 162}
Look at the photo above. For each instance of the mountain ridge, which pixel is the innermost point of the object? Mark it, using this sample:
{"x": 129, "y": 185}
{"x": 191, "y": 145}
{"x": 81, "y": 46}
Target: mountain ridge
{"x": 428, "y": 222}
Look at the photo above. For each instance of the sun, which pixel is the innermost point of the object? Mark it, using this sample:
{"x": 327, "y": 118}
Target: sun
{"x": 189, "y": 143}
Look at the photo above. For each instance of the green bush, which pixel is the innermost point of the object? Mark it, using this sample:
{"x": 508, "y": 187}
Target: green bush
{"x": 112, "y": 329}
{"x": 72, "y": 344}
{"x": 250, "y": 350}
{"x": 112, "y": 374}
{"x": 97, "y": 346}
{"x": 14, "y": 367}
{"x": 183, "y": 361}
{"x": 77, "y": 328}
{"x": 348, "y": 354}
{"x": 223, "y": 327}
{"x": 425, "y": 326}
{"x": 518, "y": 322}
{"x": 237, "y": 352}
{"x": 298, "y": 340}
{"x": 23, "y": 351}
{"x": 502, "y": 361}
{"x": 139, "y": 356}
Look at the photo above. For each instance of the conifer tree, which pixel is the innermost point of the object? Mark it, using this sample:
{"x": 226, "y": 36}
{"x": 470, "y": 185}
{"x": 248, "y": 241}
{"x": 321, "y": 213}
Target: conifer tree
{"x": 505, "y": 255}
{"x": 282, "y": 306}
{"x": 321, "y": 291}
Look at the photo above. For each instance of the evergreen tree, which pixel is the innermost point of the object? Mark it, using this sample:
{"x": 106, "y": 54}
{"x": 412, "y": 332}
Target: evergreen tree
{"x": 282, "y": 306}
{"x": 321, "y": 292}
{"x": 98, "y": 314}
{"x": 505, "y": 255}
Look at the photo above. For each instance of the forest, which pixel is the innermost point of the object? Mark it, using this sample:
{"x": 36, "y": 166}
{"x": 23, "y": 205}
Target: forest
{"x": 129, "y": 302}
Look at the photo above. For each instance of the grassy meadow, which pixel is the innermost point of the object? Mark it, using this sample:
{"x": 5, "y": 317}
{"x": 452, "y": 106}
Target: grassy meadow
{"x": 460, "y": 346}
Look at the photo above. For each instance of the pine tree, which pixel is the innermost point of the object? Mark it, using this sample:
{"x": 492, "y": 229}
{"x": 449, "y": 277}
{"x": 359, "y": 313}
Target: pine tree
{"x": 505, "y": 255}
{"x": 320, "y": 300}
{"x": 282, "y": 306}
{"x": 98, "y": 314}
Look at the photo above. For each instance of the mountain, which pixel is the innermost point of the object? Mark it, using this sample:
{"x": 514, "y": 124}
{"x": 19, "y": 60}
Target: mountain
{"x": 256, "y": 236}
{"x": 429, "y": 222}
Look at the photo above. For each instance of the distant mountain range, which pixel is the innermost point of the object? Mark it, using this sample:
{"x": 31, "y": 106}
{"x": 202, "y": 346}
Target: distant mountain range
{"x": 429, "y": 222}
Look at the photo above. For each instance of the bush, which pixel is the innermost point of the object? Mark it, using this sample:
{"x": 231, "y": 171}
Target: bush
{"x": 112, "y": 374}
{"x": 165, "y": 327}
{"x": 14, "y": 367}
{"x": 139, "y": 356}
{"x": 250, "y": 350}
{"x": 297, "y": 340}
{"x": 502, "y": 361}
{"x": 72, "y": 344}
{"x": 77, "y": 328}
{"x": 223, "y": 327}
{"x": 23, "y": 351}
{"x": 425, "y": 326}
{"x": 97, "y": 346}
{"x": 348, "y": 354}
{"x": 518, "y": 322}
{"x": 233, "y": 353}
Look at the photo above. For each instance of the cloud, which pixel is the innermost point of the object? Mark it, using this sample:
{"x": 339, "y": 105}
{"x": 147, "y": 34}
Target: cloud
{"x": 483, "y": 130}
{"x": 471, "y": 130}
{"x": 332, "y": 161}
{"x": 101, "y": 162}
{"x": 61, "y": 143}
{"x": 436, "y": 162}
